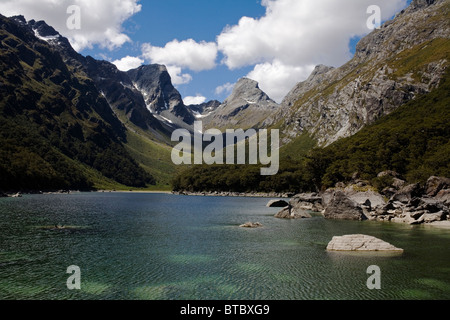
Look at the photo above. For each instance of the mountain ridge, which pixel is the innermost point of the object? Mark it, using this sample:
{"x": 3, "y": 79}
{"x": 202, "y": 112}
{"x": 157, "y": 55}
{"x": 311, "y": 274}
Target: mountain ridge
{"x": 57, "y": 131}
{"x": 374, "y": 82}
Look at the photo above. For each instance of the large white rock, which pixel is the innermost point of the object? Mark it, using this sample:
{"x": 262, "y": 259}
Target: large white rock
{"x": 360, "y": 242}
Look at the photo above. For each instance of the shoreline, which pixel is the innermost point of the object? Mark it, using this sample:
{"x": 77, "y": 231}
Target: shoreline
{"x": 282, "y": 195}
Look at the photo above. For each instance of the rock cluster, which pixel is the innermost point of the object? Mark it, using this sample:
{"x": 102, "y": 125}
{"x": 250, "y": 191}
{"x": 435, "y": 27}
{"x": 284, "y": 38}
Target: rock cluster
{"x": 399, "y": 202}
{"x": 360, "y": 242}
{"x": 298, "y": 206}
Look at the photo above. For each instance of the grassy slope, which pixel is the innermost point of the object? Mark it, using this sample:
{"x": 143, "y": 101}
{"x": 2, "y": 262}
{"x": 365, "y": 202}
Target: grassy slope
{"x": 154, "y": 157}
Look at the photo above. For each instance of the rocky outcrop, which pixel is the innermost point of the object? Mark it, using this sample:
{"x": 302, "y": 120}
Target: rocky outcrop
{"x": 246, "y": 107}
{"x": 299, "y": 205}
{"x": 436, "y": 184}
{"x": 277, "y": 204}
{"x": 409, "y": 203}
{"x": 307, "y": 201}
{"x": 360, "y": 242}
{"x": 292, "y": 213}
{"x": 341, "y": 207}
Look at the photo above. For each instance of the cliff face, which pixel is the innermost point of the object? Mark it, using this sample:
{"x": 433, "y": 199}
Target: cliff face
{"x": 405, "y": 57}
{"x": 161, "y": 97}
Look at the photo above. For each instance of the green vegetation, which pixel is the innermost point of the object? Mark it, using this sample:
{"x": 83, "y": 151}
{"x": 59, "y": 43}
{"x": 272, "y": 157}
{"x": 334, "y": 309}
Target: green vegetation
{"x": 414, "y": 141}
{"x": 56, "y": 131}
{"x": 154, "y": 157}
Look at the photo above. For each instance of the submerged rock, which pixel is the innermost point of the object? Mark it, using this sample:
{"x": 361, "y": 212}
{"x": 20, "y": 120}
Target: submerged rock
{"x": 251, "y": 225}
{"x": 360, "y": 242}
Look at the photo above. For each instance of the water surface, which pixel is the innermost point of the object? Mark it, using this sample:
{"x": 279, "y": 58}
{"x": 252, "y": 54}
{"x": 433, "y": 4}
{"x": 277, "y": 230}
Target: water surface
{"x": 162, "y": 246}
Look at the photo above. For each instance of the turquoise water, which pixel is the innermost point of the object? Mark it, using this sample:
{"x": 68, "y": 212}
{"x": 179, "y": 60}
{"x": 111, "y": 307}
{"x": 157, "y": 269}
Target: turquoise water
{"x": 160, "y": 246}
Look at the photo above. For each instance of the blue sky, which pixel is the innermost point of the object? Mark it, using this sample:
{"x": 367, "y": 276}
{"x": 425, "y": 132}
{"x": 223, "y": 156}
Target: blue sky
{"x": 160, "y": 22}
{"x": 208, "y": 45}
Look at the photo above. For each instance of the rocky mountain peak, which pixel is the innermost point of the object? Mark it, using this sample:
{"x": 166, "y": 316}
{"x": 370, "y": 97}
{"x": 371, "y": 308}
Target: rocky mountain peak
{"x": 247, "y": 91}
{"x": 43, "y": 29}
{"x": 161, "y": 97}
{"x": 246, "y": 107}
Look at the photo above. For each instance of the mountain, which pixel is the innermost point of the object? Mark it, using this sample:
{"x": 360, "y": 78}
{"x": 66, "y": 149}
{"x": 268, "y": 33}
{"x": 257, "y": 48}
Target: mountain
{"x": 246, "y": 107}
{"x": 205, "y": 109}
{"x": 386, "y": 109}
{"x": 413, "y": 141}
{"x": 57, "y": 130}
{"x": 118, "y": 90}
{"x": 406, "y": 57}
{"x": 161, "y": 97}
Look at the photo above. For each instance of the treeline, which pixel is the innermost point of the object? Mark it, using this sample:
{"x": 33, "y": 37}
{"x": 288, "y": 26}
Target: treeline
{"x": 28, "y": 161}
{"x": 414, "y": 141}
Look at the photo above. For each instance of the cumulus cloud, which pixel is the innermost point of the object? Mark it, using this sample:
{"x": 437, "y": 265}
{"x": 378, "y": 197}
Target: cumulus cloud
{"x": 177, "y": 75}
{"x": 198, "y": 99}
{"x": 196, "y": 56}
{"x": 294, "y": 35}
{"x": 226, "y": 88}
{"x": 277, "y": 79}
{"x": 100, "y": 20}
{"x": 128, "y": 63}
{"x": 298, "y": 32}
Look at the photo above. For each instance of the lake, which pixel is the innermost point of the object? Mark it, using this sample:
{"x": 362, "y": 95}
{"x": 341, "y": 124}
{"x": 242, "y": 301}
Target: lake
{"x": 143, "y": 246}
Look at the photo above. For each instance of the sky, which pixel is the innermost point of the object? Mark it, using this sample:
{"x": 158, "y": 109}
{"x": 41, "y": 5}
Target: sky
{"x": 208, "y": 45}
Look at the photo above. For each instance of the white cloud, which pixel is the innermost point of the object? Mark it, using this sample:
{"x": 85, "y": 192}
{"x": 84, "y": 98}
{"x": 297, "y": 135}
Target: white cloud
{"x": 100, "y": 20}
{"x": 196, "y": 56}
{"x": 128, "y": 63}
{"x": 177, "y": 76}
{"x": 198, "y": 99}
{"x": 294, "y": 35}
{"x": 226, "y": 88}
{"x": 300, "y": 32}
{"x": 277, "y": 79}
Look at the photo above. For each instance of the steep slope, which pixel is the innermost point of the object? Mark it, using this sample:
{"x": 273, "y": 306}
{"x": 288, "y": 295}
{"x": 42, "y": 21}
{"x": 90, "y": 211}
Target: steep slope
{"x": 246, "y": 107}
{"x": 56, "y": 128}
{"x": 414, "y": 141}
{"x": 404, "y": 58}
{"x": 161, "y": 97}
{"x": 121, "y": 95}
{"x": 116, "y": 86}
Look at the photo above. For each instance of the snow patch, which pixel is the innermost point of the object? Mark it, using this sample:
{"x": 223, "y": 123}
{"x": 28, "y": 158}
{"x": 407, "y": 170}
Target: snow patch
{"x": 46, "y": 39}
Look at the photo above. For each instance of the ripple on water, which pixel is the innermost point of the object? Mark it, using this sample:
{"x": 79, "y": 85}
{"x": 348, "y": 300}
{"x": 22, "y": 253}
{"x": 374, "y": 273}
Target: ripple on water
{"x": 132, "y": 249}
